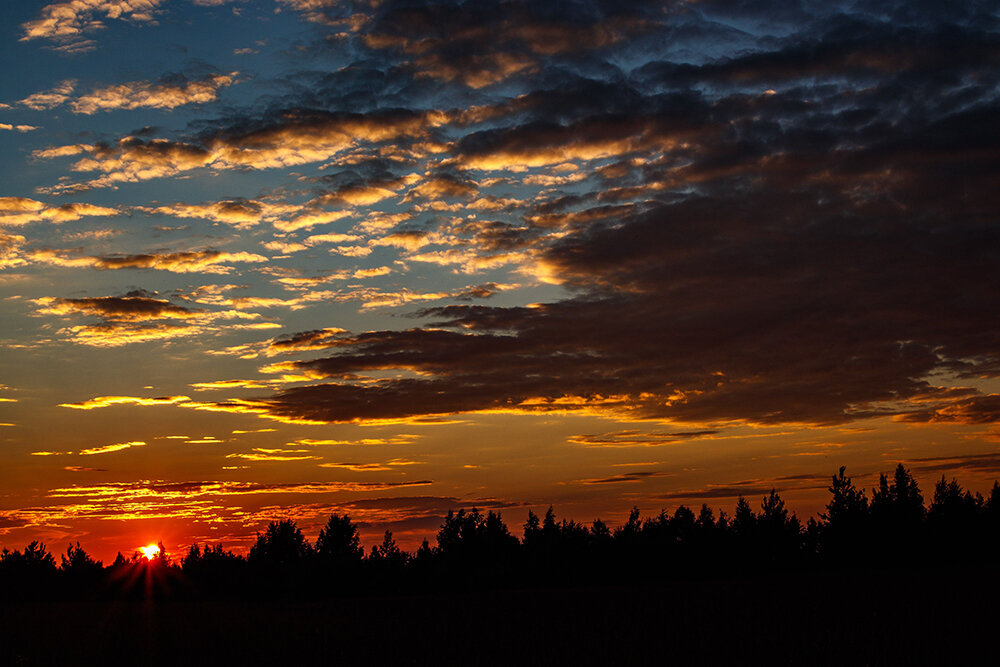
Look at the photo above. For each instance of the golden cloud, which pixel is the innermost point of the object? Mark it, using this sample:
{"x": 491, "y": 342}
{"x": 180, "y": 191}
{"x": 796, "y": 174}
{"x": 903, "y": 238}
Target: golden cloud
{"x": 17, "y": 211}
{"x": 107, "y": 449}
{"x": 105, "y": 401}
{"x": 136, "y": 94}
{"x": 50, "y": 98}
{"x": 289, "y": 142}
{"x": 240, "y": 213}
{"x": 200, "y": 261}
{"x": 66, "y": 21}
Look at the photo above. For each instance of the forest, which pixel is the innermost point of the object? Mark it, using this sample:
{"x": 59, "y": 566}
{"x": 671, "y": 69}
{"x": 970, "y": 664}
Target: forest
{"x": 891, "y": 529}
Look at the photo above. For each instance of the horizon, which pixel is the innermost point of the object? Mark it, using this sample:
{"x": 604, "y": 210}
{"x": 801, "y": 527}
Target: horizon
{"x": 818, "y": 540}
{"x": 280, "y": 259}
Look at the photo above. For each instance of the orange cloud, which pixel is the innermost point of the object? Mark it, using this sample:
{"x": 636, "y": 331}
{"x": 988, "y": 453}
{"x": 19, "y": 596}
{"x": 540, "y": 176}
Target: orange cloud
{"x": 62, "y": 151}
{"x": 117, "y": 335}
{"x": 199, "y": 261}
{"x": 310, "y": 218}
{"x": 105, "y": 401}
{"x": 230, "y": 384}
{"x": 49, "y": 99}
{"x": 107, "y": 449}
{"x": 240, "y": 213}
{"x": 289, "y": 142}
{"x": 20, "y": 128}
{"x": 17, "y": 211}
{"x": 401, "y": 439}
{"x": 136, "y": 94}
{"x": 126, "y": 308}
{"x": 10, "y": 250}
{"x": 67, "y": 21}
{"x": 272, "y": 455}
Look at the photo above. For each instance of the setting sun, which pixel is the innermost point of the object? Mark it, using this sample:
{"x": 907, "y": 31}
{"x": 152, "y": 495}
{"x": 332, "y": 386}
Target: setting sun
{"x": 150, "y": 551}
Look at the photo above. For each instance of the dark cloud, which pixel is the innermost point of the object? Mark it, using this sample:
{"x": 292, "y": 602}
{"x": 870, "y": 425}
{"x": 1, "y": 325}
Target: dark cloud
{"x": 634, "y": 438}
{"x": 798, "y": 233}
{"x": 166, "y": 490}
{"x": 752, "y": 488}
{"x": 628, "y": 477}
{"x": 12, "y": 522}
{"x": 306, "y": 340}
{"x": 767, "y": 221}
{"x": 131, "y": 307}
{"x": 975, "y": 410}
{"x": 988, "y": 463}
{"x": 718, "y": 492}
{"x": 418, "y": 504}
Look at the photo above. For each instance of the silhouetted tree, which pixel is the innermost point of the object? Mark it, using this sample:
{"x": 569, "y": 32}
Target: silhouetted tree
{"x": 470, "y": 536}
{"x": 29, "y": 571}
{"x": 599, "y": 532}
{"x": 281, "y": 544}
{"x": 477, "y": 550}
{"x": 80, "y": 570}
{"x": 744, "y": 523}
{"x": 953, "y": 522}
{"x": 846, "y": 520}
{"x": 34, "y": 560}
{"x": 706, "y": 518}
{"x": 339, "y": 543}
{"x": 629, "y": 532}
{"x": 779, "y": 534}
{"x": 388, "y": 552}
{"x": 900, "y": 501}
{"x": 897, "y": 511}
{"x": 214, "y": 569}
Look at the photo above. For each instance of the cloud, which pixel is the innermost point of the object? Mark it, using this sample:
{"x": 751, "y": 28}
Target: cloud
{"x": 240, "y": 213}
{"x": 165, "y": 490}
{"x": 61, "y": 151}
{"x": 272, "y": 455}
{"x": 970, "y": 463}
{"x": 293, "y": 138}
{"x": 170, "y": 93}
{"x": 11, "y": 246}
{"x": 751, "y": 487}
{"x": 629, "y": 477}
{"x": 105, "y": 401}
{"x": 140, "y": 317}
{"x": 107, "y": 449}
{"x": 195, "y": 261}
{"x": 124, "y": 308}
{"x": 746, "y": 226}
{"x": 230, "y": 384}
{"x": 491, "y": 42}
{"x": 50, "y": 99}
{"x": 66, "y": 22}
{"x": 19, "y": 128}
{"x": 316, "y": 339}
{"x": 18, "y": 211}
{"x": 371, "y": 467}
{"x": 633, "y": 438}
{"x": 401, "y": 439}
{"x": 729, "y": 258}
{"x": 983, "y": 409}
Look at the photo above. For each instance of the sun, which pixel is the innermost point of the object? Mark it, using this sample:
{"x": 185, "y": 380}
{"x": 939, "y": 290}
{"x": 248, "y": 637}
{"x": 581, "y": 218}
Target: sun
{"x": 150, "y": 551}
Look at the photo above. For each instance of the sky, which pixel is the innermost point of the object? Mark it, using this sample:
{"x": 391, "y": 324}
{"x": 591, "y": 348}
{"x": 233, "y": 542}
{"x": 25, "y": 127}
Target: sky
{"x": 267, "y": 259}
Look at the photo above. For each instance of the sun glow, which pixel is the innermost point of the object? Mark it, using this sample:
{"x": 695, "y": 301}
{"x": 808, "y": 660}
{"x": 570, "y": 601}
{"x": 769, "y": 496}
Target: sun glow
{"x": 150, "y": 551}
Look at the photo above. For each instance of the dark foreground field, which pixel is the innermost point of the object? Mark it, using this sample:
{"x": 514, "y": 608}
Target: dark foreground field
{"x": 897, "y": 618}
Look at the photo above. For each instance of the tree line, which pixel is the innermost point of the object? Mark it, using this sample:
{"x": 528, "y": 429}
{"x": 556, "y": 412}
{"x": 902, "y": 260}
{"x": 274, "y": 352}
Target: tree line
{"x": 890, "y": 528}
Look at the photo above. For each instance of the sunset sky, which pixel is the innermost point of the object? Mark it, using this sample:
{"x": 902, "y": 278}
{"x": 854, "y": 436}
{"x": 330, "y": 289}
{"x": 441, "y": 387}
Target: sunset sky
{"x": 281, "y": 258}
